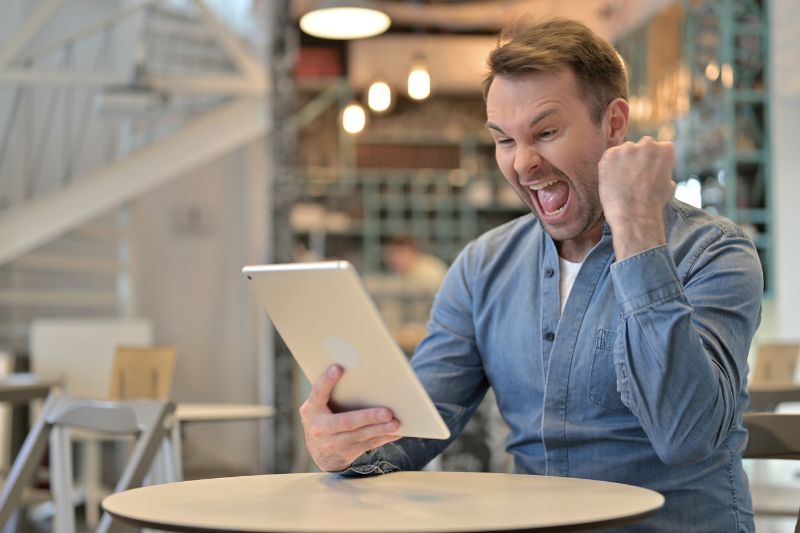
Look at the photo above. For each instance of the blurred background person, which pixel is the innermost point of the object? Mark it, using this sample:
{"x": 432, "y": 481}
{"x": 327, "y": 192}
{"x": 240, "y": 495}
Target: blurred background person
{"x": 406, "y": 259}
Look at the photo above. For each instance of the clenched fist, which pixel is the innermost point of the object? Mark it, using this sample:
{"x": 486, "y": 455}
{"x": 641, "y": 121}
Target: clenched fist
{"x": 635, "y": 183}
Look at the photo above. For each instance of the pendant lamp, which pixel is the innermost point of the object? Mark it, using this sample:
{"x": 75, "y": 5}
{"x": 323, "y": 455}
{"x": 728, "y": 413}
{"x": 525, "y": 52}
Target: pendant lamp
{"x": 345, "y": 19}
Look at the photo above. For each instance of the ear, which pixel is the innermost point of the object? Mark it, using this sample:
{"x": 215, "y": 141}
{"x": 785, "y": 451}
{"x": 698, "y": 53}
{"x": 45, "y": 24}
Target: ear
{"x": 615, "y": 121}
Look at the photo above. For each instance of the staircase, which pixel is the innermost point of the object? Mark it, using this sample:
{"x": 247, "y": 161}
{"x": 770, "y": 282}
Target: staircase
{"x": 89, "y": 122}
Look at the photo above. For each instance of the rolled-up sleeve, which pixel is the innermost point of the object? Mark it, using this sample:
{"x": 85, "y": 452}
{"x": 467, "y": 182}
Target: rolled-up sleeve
{"x": 681, "y": 361}
{"x": 449, "y": 366}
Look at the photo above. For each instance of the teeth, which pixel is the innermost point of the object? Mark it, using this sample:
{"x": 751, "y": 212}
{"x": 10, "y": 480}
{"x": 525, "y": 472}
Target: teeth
{"x": 540, "y": 186}
{"x": 556, "y": 212}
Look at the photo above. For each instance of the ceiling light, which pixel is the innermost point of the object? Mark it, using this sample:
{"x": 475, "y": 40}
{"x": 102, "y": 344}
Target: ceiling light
{"x": 354, "y": 118}
{"x": 419, "y": 81}
{"x": 345, "y": 19}
{"x": 379, "y": 96}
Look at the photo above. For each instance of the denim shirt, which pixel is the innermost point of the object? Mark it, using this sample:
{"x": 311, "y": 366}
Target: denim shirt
{"x": 642, "y": 380}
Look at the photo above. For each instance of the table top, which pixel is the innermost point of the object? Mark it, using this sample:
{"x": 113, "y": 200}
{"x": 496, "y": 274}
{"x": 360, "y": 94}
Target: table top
{"x": 215, "y": 412}
{"x": 433, "y": 502}
{"x": 23, "y": 387}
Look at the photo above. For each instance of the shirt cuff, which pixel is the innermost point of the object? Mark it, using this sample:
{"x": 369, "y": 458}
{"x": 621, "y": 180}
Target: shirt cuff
{"x": 645, "y": 279}
{"x": 369, "y": 464}
{"x": 382, "y": 467}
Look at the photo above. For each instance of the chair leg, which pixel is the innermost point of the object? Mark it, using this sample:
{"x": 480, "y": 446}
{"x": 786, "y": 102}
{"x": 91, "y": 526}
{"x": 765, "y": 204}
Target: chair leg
{"x": 16, "y": 522}
{"x": 162, "y": 470}
{"x": 177, "y": 449}
{"x": 24, "y": 467}
{"x": 91, "y": 480}
{"x": 61, "y": 481}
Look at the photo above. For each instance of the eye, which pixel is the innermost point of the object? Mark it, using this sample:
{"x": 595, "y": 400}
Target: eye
{"x": 547, "y": 134}
{"x": 504, "y": 141}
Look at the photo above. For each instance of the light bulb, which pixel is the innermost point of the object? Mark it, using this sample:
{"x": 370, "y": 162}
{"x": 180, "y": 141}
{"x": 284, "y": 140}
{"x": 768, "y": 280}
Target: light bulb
{"x": 419, "y": 82}
{"x": 379, "y": 96}
{"x": 354, "y": 118}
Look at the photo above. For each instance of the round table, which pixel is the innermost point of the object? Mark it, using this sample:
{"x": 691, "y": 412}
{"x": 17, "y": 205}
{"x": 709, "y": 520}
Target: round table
{"x": 431, "y": 502}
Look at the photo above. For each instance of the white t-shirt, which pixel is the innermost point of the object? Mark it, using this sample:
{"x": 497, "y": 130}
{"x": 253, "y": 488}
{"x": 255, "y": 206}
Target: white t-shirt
{"x": 568, "y": 272}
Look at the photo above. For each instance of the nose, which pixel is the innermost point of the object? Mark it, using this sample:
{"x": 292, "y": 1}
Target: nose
{"x": 526, "y": 161}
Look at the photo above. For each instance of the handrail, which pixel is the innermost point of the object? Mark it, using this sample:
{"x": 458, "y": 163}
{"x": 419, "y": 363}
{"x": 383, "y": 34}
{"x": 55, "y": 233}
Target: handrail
{"x": 28, "y": 31}
{"x": 88, "y": 31}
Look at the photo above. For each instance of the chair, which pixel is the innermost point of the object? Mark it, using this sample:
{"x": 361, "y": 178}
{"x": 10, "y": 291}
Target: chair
{"x": 776, "y": 363}
{"x": 142, "y": 373}
{"x": 774, "y": 436}
{"x": 773, "y": 376}
{"x": 144, "y": 419}
{"x": 137, "y": 373}
{"x": 145, "y": 373}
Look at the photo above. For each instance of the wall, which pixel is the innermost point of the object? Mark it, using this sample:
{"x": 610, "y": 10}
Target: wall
{"x": 191, "y": 239}
{"x": 785, "y": 114}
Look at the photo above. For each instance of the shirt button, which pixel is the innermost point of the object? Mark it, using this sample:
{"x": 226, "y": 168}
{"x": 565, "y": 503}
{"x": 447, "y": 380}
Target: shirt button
{"x": 548, "y": 272}
{"x": 549, "y": 336}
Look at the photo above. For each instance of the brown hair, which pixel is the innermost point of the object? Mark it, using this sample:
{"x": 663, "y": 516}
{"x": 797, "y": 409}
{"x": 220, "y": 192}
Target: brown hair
{"x": 530, "y": 46}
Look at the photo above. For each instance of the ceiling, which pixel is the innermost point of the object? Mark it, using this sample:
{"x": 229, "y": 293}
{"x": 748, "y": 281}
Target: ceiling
{"x": 455, "y": 36}
{"x": 609, "y": 18}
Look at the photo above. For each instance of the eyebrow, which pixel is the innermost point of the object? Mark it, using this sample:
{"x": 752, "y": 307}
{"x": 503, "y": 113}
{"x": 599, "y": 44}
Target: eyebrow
{"x": 538, "y": 118}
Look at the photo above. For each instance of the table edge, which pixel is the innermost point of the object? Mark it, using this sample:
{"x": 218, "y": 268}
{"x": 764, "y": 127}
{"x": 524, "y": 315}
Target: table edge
{"x": 591, "y": 526}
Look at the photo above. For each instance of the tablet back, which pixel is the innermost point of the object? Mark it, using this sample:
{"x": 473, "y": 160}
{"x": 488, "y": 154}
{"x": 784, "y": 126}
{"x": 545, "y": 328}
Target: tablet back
{"x": 325, "y": 316}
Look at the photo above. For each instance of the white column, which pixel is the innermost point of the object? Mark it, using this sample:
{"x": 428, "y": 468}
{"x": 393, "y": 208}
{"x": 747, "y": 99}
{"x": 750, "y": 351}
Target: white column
{"x": 785, "y": 41}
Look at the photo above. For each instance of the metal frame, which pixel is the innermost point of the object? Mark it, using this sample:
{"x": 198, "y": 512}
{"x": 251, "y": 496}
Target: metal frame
{"x": 146, "y": 419}
{"x": 735, "y": 34}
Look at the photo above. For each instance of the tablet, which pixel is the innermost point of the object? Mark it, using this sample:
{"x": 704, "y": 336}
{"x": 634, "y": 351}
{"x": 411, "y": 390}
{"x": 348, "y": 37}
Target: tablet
{"x": 325, "y": 316}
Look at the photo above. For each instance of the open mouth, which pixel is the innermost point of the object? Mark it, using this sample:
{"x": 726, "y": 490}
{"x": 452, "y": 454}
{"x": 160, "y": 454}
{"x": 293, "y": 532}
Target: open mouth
{"x": 552, "y": 197}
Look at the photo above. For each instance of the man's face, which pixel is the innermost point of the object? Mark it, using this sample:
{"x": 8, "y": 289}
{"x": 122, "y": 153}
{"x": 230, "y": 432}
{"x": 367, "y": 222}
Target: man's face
{"x": 547, "y": 147}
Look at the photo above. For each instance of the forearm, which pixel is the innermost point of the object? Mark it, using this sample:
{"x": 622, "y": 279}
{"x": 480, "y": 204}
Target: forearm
{"x": 449, "y": 367}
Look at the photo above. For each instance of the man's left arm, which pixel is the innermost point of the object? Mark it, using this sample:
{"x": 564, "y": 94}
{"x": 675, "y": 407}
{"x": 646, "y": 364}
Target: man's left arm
{"x": 684, "y": 359}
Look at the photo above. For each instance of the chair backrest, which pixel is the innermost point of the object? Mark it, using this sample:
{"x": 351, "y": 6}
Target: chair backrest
{"x": 144, "y": 419}
{"x": 142, "y": 373}
{"x": 773, "y": 436}
{"x": 776, "y": 363}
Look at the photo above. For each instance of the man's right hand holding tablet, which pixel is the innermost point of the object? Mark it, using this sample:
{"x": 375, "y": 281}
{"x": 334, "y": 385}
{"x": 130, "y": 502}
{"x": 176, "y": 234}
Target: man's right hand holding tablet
{"x": 335, "y": 440}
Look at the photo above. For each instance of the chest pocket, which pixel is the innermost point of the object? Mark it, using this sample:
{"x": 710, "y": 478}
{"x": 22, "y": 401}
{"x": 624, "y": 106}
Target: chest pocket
{"x": 603, "y": 387}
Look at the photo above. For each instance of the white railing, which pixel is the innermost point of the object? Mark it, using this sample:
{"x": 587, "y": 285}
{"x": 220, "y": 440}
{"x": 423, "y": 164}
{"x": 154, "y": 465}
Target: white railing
{"x": 72, "y": 106}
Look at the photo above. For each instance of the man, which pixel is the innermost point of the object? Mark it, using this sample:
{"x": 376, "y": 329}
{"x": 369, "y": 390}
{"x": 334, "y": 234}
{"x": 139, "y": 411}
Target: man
{"x": 420, "y": 270}
{"x": 642, "y": 378}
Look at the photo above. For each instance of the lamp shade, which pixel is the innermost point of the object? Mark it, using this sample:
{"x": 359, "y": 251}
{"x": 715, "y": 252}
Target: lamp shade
{"x": 345, "y": 19}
